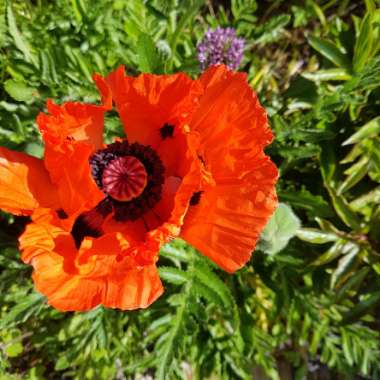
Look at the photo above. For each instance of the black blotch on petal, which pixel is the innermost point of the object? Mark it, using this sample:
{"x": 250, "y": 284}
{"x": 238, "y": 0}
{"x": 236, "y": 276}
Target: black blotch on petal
{"x": 62, "y": 214}
{"x": 83, "y": 227}
{"x": 195, "y": 198}
{"x": 167, "y": 131}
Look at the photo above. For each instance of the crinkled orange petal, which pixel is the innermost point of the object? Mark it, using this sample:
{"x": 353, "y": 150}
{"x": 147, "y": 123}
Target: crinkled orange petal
{"x": 96, "y": 275}
{"x": 24, "y": 183}
{"x": 72, "y": 132}
{"x": 76, "y": 121}
{"x": 70, "y": 171}
{"x": 149, "y": 101}
{"x": 235, "y": 206}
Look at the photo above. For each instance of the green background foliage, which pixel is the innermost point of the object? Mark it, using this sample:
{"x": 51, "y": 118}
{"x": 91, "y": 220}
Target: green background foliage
{"x": 308, "y": 302}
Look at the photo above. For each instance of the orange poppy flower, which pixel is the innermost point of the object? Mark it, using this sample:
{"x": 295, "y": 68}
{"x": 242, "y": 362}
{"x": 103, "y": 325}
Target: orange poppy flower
{"x": 192, "y": 165}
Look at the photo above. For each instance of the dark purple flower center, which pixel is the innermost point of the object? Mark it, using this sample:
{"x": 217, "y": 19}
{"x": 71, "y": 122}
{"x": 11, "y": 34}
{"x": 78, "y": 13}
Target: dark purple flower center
{"x": 131, "y": 177}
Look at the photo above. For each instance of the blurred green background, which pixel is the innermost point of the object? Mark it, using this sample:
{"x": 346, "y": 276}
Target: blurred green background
{"x": 307, "y": 305}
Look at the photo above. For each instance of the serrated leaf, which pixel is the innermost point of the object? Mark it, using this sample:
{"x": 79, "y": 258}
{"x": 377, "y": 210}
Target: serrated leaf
{"x": 173, "y": 275}
{"x": 211, "y": 280}
{"x": 172, "y": 252}
{"x": 167, "y": 349}
{"x": 26, "y": 307}
{"x": 280, "y": 229}
{"x": 208, "y": 294}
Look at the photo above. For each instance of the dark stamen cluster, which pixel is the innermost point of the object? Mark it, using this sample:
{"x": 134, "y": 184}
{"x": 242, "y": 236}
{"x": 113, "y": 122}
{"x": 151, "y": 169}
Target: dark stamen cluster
{"x": 135, "y": 208}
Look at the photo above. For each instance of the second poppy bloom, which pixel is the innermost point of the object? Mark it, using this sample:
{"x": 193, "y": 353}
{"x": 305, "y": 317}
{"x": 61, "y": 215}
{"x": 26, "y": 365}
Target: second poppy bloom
{"x": 192, "y": 165}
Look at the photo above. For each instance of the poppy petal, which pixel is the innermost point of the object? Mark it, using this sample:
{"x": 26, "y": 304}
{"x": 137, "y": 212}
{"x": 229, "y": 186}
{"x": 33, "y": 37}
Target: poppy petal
{"x": 76, "y": 121}
{"x": 138, "y": 288}
{"x": 77, "y": 189}
{"x": 226, "y": 222}
{"x": 148, "y": 102}
{"x": 24, "y": 184}
{"x": 72, "y": 132}
{"x": 92, "y": 277}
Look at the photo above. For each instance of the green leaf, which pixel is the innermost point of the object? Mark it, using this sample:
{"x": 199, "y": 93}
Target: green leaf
{"x": 280, "y": 229}
{"x": 62, "y": 363}
{"x": 208, "y": 278}
{"x": 3, "y": 29}
{"x": 344, "y": 211}
{"x": 316, "y": 205}
{"x": 347, "y": 347}
{"x": 14, "y": 349}
{"x": 303, "y": 90}
{"x": 362, "y": 308}
{"x": 148, "y": 59}
{"x": 360, "y": 203}
{"x": 34, "y": 149}
{"x": 17, "y": 38}
{"x": 173, "y": 275}
{"x": 355, "y": 174}
{"x": 173, "y": 252}
{"x": 20, "y": 91}
{"x": 364, "y": 44}
{"x": 83, "y": 64}
{"x": 169, "y": 346}
{"x": 345, "y": 266}
{"x": 330, "y": 51}
{"x": 273, "y": 29}
{"x": 78, "y": 10}
{"x": 314, "y": 236}
{"x": 328, "y": 167}
{"x": 368, "y": 130}
{"x": 353, "y": 282}
{"x": 370, "y": 5}
{"x": 208, "y": 294}
{"x": 27, "y": 306}
{"x": 338, "y": 74}
{"x": 331, "y": 254}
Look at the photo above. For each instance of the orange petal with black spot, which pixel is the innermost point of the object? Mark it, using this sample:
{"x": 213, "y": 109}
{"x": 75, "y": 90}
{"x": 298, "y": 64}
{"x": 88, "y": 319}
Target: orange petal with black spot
{"x": 234, "y": 207}
{"x": 148, "y": 102}
{"x": 93, "y": 276}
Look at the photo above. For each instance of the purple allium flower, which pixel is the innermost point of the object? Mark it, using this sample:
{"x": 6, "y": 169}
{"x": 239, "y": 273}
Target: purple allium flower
{"x": 220, "y": 46}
